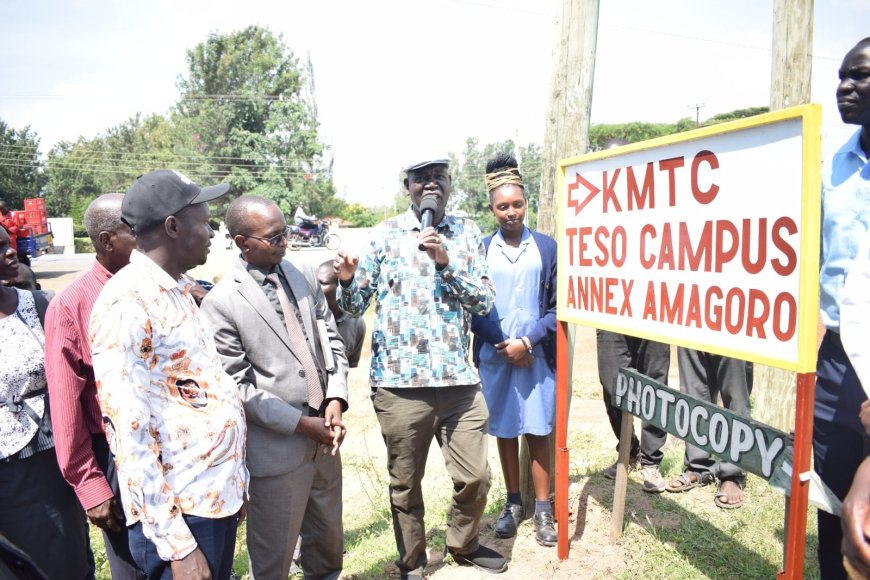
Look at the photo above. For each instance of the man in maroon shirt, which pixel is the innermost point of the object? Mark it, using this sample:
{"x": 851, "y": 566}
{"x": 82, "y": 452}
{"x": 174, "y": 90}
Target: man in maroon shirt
{"x": 80, "y": 441}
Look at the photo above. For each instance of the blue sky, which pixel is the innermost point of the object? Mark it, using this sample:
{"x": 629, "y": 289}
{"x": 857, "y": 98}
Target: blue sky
{"x": 396, "y": 79}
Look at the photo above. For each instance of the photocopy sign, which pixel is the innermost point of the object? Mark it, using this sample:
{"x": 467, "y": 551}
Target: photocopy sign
{"x": 753, "y": 446}
{"x": 707, "y": 239}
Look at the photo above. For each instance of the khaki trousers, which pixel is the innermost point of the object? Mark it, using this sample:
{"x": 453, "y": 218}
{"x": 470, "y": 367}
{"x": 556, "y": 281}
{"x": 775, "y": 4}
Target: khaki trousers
{"x": 457, "y": 418}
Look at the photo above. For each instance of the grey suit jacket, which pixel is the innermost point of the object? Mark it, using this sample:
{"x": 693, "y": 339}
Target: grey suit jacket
{"x": 252, "y": 341}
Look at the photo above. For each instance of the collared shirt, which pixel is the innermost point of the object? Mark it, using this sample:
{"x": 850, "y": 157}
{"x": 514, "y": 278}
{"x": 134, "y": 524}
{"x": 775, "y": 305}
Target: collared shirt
{"x": 845, "y": 222}
{"x": 420, "y": 336}
{"x": 259, "y": 276}
{"x": 75, "y": 409}
{"x": 173, "y": 417}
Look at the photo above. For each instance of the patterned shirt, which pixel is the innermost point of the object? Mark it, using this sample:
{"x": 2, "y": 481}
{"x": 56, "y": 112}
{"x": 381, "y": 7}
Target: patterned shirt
{"x": 420, "y": 336}
{"x": 173, "y": 417}
{"x": 25, "y": 424}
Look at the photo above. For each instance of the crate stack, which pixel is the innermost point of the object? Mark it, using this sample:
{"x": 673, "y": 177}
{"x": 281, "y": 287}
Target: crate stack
{"x": 33, "y": 222}
{"x": 35, "y": 216}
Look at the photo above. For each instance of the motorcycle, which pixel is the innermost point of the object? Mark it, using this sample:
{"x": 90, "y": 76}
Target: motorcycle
{"x": 313, "y": 235}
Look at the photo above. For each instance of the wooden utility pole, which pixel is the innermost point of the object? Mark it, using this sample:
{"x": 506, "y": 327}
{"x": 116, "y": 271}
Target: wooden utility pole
{"x": 790, "y": 76}
{"x": 790, "y": 81}
{"x": 792, "y": 66}
{"x": 567, "y": 126}
{"x": 566, "y": 135}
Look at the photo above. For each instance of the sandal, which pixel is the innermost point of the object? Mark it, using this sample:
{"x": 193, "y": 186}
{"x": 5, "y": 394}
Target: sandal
{"x": 721, "y": 495}
{"x": 688, "y": 480}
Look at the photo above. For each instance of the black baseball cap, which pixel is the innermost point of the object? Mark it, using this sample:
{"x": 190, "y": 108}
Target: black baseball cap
{"x": 155, "y": 196}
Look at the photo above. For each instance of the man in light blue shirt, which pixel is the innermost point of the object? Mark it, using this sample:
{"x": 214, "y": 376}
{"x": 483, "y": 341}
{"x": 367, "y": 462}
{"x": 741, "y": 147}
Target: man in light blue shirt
{"x": 839, "y": 441}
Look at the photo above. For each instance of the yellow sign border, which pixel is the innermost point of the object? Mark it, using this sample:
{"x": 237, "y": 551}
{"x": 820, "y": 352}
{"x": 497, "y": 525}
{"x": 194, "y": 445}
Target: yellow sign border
{"x": 810, "y": 230}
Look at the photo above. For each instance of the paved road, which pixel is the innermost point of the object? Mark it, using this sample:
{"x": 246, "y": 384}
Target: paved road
{"x": 54, "y": 272}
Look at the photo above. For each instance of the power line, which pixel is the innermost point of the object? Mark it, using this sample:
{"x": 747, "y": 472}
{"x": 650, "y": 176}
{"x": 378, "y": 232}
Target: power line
{"x": 216, "y": 159}
{"x": 135, "y": 170}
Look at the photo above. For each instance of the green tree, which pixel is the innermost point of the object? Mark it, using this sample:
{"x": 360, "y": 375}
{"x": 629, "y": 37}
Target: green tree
{"x": 632, "y": 132}
{"x": 250, "y": 106}
{"x": 736, "y": 114}
{"x": 361, "y": 216}
{"x": 21, "y": 174}
{"x": 471, "y": 195}
{"x": 78, "y": 172}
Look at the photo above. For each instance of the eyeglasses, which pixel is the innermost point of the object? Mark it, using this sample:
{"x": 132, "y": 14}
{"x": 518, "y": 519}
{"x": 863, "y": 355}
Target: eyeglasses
{"x": 275, "y": 240}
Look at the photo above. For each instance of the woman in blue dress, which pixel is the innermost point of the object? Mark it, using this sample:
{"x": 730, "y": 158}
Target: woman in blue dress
{"x": 514, "y": 346}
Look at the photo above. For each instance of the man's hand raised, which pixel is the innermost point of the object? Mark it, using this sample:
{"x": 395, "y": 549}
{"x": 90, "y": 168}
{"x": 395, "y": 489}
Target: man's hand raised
{"x": 344, "y": 265}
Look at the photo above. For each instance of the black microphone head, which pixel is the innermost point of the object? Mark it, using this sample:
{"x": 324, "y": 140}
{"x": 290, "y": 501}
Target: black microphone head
{"x": 428, "y": 203}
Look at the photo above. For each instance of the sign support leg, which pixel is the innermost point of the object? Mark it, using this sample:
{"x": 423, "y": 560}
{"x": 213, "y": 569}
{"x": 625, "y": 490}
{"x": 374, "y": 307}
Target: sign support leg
{"x": 796, "y": 529}
{"x": 618, "y": 515}
{"x": 562, "y": 465}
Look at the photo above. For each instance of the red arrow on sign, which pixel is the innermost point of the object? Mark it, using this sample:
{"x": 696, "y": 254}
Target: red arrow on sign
{"x": 593, "y": 191}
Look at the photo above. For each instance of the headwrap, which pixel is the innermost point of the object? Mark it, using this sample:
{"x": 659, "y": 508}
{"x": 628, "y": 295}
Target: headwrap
{"x": 503, "y": 176}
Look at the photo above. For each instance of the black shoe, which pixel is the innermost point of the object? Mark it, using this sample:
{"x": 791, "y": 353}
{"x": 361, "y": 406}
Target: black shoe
{"x": 483, "y": 558}
{"x": 506, "y": 527}
{"x": 545, "y": 529}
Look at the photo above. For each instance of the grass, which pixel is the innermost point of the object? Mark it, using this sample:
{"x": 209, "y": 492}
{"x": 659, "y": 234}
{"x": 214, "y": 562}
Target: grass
{"x": 665, "y": 536}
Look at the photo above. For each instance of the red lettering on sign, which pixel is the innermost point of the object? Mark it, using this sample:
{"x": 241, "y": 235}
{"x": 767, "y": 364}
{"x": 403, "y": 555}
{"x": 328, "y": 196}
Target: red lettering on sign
{"x": 693, "y": 313}
{"x": 670, "y": 165}
{"x": 781, "y": 244}
{"x": 748, "y": 264}
{"x": 754, "y": 319}
{"x": 731, "y": 325}
{"x": 639, "y": 198}
{"x": 570, "y": 232}
{"x": 626, "y": 295}
{"x": 647, "y": 260}
{"x": 581, "y": 246}
{"x": 693, "y": 254}
{"x": 784, "y": 299}
{"x": 723, "y": 254}
{"x": 704, "y": 197}
{"x": 609, "y": 193}
{"x": 713, "y": 312}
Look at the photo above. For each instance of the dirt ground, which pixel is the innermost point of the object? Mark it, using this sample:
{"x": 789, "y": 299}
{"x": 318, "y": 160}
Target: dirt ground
{"x": 591, "y": 553}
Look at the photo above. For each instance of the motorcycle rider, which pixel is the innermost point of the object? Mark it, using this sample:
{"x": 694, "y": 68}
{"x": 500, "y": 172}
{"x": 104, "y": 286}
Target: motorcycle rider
{"x": 303, "y": 220}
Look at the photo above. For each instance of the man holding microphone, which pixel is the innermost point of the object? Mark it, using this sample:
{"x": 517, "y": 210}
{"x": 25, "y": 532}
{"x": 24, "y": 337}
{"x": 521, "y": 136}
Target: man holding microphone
{"x": 428, "y": 272}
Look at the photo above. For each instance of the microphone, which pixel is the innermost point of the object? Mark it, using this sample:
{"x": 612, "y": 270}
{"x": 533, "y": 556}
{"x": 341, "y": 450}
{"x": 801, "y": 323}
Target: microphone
{"x": 427, "y": 214}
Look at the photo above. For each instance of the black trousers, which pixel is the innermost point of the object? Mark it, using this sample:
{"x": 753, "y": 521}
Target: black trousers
{"x": 652, "y": 359}
{"x": 41, "y": 515}
{"x": 706, "y": 377}
{"x": 839, "y": 442}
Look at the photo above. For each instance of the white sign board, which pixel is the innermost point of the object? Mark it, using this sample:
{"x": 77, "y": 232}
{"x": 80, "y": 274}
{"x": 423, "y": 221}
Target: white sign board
{"x": 707, "y": 239}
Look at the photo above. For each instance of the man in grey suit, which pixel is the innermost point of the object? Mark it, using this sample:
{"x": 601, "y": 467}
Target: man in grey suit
{"x": 278, "y": 340}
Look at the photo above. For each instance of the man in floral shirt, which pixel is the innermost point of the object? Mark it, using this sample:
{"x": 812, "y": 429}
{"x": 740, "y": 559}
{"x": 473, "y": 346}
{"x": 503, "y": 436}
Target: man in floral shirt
{"x": 173, "y": 418}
